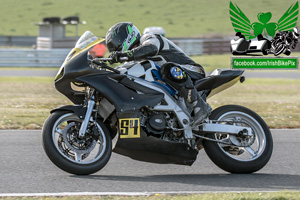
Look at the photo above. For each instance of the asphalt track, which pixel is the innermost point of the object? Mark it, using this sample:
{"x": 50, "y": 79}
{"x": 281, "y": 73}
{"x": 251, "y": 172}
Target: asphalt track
{"x": 26, "y": 170}
{"x": 292, "y": 74}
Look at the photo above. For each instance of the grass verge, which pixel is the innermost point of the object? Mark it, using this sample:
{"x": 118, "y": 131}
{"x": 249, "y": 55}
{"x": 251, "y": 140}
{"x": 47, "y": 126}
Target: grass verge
{"x": 277, "y": 101}
{"x": 25, "y": 102}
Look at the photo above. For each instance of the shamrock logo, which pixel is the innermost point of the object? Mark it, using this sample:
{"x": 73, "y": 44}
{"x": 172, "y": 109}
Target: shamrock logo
{"x": 242, "y": 24}
{"x": 264, "y": 27}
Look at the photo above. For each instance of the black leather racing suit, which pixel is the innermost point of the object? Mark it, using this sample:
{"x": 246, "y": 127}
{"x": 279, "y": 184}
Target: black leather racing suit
{"x": 167, "y": 54}
{"x": 161, "y": 50}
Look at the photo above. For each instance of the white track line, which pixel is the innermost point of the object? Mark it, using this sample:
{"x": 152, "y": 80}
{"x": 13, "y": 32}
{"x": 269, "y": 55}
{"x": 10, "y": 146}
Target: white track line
{"x": 121, "y": 193}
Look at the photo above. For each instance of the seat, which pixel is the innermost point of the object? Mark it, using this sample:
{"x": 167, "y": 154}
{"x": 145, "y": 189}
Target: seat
{"x": 216, "y": 79}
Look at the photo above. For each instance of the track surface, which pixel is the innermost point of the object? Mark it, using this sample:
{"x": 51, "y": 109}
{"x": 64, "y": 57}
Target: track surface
{"x": 25, "y": 168}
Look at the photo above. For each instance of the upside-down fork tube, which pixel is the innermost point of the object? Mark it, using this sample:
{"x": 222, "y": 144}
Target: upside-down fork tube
{"x": 87, "y": 117}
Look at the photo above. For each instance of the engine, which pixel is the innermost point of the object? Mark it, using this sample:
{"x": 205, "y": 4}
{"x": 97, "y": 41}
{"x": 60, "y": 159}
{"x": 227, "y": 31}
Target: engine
{"x": 156, "y": 124}
{"x": 163, "y": 125}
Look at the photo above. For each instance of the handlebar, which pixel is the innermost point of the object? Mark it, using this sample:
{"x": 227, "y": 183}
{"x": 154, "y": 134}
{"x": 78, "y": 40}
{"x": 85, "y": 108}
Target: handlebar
{"x": 109, "y": 59}
{"x": 104, "y": 65}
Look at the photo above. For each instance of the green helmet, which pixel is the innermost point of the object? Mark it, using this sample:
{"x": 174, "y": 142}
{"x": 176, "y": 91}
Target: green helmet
{"x": 122, "y": 36}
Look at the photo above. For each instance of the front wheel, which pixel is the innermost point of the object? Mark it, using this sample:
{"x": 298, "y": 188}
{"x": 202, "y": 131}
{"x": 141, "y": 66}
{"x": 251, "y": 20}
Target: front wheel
{"x": 70, "y": 153}
{"x": 253, "y": 153}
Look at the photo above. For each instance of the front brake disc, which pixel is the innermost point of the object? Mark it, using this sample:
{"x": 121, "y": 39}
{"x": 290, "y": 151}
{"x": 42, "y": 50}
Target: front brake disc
{"x": 71, "y": 140}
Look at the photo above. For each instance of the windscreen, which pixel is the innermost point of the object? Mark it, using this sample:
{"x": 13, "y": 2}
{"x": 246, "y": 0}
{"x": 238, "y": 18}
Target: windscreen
{"x": 87, "y": 38}
{"x": 86, "y": 41}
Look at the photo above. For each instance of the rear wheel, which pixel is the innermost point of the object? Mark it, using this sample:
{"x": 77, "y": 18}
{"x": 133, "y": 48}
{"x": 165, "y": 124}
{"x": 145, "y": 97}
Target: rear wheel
{"x": 254, "y": 151}
{"x": 70, "y": 153}
{"x": 265, "y": 52}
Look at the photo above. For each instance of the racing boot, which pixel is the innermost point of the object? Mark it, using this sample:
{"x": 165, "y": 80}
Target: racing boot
{"x": 201, "y": 111}
{"x": 195, "y": 102}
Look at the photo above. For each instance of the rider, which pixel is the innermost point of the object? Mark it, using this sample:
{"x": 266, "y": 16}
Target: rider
{"x": 177, "y": 69}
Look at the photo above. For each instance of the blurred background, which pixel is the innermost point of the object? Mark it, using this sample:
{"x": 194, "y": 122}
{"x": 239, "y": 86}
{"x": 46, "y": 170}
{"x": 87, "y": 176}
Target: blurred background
{"x": 193, "y": 18}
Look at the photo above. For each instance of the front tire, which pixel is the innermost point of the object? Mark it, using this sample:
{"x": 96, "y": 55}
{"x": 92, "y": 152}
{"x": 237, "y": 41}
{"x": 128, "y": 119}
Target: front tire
{"x": 240, "y": 159}
{"x": 68, "y": 152}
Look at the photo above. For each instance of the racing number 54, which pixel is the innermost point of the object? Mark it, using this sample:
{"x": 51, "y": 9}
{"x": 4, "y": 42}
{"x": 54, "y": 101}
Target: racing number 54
{"x": 129, "y": 128}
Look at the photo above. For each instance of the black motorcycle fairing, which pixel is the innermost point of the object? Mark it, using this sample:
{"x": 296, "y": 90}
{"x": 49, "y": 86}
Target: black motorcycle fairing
{"x": 65, "y": 88}
{"x": 120, "y": 96}
{"x": 133, "y": 85}
{"x": 212, "y": 82}
{"x": 76, "y": 67}
{"x": 106, "y": 82}
{"x": 152, "y": 149}
{"x": 155, "y": 150}
{"x": 79, "y": 110}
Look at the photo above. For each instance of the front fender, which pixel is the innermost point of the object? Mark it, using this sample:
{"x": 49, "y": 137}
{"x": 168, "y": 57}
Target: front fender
{"x": 79, "y": 110}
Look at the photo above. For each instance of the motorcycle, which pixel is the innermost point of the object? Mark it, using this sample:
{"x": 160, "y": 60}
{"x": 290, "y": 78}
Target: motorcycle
{"x": 283, "y": 42}
{"x": 131, "y": 111}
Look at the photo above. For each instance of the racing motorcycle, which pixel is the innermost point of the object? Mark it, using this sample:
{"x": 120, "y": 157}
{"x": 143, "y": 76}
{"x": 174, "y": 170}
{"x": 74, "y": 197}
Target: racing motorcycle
{"x": 131, "y": 111}
{"x": 283, "y": 42}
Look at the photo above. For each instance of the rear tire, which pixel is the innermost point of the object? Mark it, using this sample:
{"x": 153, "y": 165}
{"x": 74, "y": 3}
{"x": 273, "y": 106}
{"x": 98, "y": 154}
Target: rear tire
{"x": 75, "y": 156}
{"x": 265, "y": 52}
{"x": 240, "y": 159}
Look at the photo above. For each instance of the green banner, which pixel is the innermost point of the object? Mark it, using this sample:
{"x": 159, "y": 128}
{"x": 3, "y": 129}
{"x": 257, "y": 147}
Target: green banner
{"x": 264, "y": 63}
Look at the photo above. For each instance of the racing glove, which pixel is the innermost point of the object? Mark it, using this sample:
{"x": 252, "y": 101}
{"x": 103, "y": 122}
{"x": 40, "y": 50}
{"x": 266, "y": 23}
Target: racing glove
{"x": 116, "y": 55}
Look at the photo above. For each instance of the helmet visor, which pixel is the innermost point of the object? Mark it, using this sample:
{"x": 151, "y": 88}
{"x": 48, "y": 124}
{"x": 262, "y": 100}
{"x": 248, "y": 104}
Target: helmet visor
{"x": 115, "y": 42}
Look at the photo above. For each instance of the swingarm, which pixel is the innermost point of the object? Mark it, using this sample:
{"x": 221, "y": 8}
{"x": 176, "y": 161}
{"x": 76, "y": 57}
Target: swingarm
{"x": 226, "y": 129}
{"x": 236, "y": 135}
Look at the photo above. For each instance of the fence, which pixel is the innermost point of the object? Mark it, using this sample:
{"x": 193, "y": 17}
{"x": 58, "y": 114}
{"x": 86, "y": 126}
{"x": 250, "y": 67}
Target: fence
{"x": 32, "y": 57}
{"x": 55, "y": 57}
{"x": 46, "y": 42}
{"x": 192, "y": 46}
{"x": 197, "y": 46}
{"x": 21, "y": 41}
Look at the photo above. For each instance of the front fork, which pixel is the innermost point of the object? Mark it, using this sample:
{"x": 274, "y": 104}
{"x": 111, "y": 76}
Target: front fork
{"x": 87, "y": 117}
